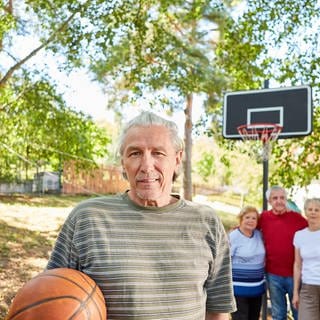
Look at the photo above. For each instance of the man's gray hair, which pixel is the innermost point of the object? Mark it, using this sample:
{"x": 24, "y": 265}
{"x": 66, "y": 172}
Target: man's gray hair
{"x": 275, "y": 188}
{"x": 147, "y": 119}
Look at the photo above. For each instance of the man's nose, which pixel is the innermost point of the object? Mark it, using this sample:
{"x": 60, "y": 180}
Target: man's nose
{"x": 147, "y": 162}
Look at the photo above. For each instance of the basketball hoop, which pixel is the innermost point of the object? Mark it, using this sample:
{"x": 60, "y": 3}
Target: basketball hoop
{"x": 265, "y": 132}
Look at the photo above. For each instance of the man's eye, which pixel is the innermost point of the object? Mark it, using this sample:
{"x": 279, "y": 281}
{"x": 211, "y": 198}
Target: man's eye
{"x": 134, "y": 154}
{"x": 159, "y": 153}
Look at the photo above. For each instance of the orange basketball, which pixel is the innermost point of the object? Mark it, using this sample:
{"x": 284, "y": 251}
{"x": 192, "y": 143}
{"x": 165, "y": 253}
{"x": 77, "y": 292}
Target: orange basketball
{"x": 59, "y": 294}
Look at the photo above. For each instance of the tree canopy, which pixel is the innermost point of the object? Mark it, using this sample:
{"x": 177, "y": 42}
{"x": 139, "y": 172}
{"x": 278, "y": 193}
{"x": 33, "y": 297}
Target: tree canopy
{"x": 168, "y": 50}
{"x": 38, "y": 129}
{"x": 278, "y": 40}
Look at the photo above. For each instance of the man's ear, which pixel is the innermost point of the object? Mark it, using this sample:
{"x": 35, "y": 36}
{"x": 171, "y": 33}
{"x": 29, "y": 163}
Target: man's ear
{"x": 177, "y": 170}
{"x": 179, "y": 157}
{"x": 124, "y": 175}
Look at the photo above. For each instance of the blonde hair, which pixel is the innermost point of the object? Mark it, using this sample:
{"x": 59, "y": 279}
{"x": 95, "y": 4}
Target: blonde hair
{"x": 246, "y": 210}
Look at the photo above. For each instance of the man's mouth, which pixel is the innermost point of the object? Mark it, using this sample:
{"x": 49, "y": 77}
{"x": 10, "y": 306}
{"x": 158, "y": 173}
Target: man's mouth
{"x": 147, "y": 180}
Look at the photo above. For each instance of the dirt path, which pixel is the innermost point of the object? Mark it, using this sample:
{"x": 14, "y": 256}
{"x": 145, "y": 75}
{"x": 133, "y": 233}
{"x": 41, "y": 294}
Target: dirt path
{"x": 26, "y": 238}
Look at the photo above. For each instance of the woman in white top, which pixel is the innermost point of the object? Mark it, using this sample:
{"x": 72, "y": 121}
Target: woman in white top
{"x": 306, "y": 292}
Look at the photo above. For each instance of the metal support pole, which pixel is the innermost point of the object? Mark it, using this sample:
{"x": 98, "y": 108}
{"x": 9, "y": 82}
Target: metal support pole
{"x": 265, "y": 182}
{"x": 265, "y": 167}
{"x": 265, "y": 206}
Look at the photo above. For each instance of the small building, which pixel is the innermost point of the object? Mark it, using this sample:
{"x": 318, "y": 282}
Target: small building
{"x": 46, "y": 182}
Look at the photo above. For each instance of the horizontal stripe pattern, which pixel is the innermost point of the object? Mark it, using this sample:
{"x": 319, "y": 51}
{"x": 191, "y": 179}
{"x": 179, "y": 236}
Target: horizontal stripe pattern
{"x": 150, "y": 263}
{"x": 248, "y": 259}
{"x": 247, "y": 275}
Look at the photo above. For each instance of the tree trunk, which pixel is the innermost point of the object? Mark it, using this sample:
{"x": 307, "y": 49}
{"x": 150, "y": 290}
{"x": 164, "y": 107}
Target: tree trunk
{"x": 187, "y": 175}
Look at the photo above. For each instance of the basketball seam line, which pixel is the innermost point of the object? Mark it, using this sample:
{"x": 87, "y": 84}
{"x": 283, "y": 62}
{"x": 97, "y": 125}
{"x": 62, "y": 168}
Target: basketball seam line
{"x": 43, "y": 301}
{"x": 83, "y": 304}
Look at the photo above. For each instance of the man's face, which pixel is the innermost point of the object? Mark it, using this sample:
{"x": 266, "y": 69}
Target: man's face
{"x": 149, "y": 161}
{"x": 278, "y": 201}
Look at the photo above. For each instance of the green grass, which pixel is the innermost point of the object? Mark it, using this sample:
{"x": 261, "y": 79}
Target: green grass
{"x": 228, "y": 198}
{"x": 229, "y": 220}
{"x": 56, "y": 201}
{"x": 43, "y": 200}
{"x": 27, "y": 234}
{"x": 26, "y": 240}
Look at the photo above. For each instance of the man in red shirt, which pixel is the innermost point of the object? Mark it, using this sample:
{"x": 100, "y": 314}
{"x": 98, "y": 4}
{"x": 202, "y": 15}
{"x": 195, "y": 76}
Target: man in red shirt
{"x": 278, "y": 227}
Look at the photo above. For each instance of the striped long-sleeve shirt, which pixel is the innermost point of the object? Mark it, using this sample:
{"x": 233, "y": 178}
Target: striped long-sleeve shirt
{"x": 171, "y": 262}
{"x": 248, "y": 259}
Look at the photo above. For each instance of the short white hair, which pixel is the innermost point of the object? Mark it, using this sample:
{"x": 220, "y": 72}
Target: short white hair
{"x": 147, "y": 119}
{"x": 275, "y": 188}
{"x": 310, "y": 200}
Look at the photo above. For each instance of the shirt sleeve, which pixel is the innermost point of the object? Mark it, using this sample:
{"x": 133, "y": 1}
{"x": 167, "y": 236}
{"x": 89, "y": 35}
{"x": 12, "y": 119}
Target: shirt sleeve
{"x": 296, "y": 240}
{"x": 64, "y": 254}
{"x": 232, "y": 242}
{"x": 220, "y": 298}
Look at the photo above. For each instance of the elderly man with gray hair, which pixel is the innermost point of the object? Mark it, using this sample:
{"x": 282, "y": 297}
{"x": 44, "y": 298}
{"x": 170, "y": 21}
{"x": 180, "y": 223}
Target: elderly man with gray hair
{"x": 278, "y": 226}
{"x": 154, "y": 255}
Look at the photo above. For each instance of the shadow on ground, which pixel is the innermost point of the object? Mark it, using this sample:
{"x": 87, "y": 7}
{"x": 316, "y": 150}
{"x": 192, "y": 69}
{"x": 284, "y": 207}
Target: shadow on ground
{"x": 23, "y": 254}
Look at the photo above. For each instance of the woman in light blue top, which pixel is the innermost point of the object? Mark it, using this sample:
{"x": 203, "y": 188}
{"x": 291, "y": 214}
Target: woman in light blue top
{"x": 248, "y": 258}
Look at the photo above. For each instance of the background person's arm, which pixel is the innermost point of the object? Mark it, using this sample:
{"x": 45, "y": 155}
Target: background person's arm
{"x": 296, "y": 277}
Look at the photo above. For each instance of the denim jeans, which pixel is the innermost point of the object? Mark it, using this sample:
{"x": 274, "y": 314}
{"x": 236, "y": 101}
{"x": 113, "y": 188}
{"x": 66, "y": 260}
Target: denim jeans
{"x": 279, "y": 287}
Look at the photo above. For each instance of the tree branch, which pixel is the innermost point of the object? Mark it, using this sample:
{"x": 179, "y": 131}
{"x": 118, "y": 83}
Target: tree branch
{"x": 15, "y": 67}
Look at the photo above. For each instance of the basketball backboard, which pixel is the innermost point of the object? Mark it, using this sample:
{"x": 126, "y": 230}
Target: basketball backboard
{"x": 289, "y": 107}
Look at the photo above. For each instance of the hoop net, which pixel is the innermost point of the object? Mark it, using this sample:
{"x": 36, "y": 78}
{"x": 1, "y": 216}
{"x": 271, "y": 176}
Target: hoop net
{"x": 265, "y": 132}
